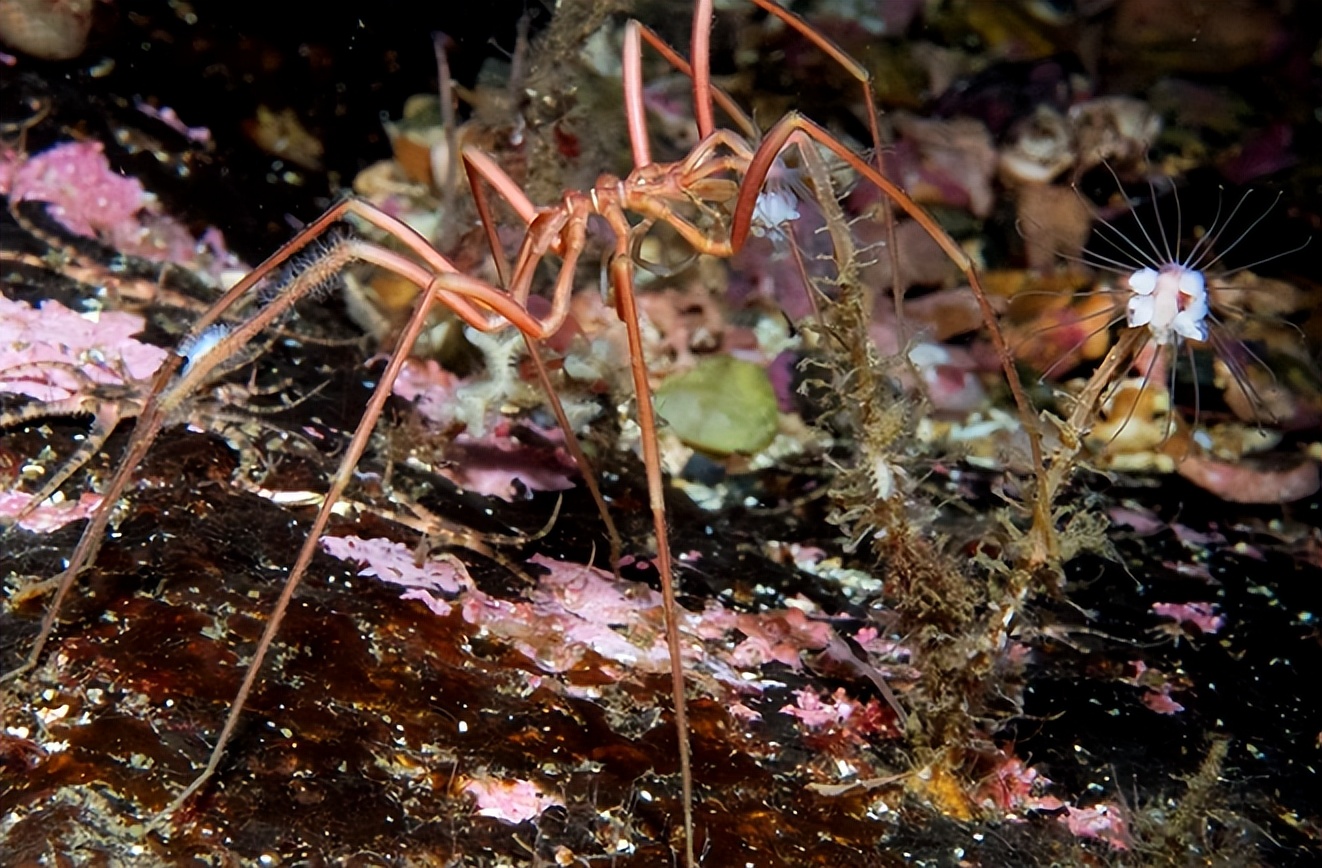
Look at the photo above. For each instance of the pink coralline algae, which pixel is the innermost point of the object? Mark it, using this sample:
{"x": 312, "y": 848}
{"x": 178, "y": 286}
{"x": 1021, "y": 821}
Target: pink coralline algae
{"x": 431, "y": 388}
{"x": 91, "y": 199}
{"x": 1203, "y": 616}
{"x": 53, "y": 354}
{"x": 486, "y": 458}
{"x": 577, "y": 610}
{"x": 49, "y": 517}
{"x": 395, "y": 563}
{"x": 80, "y": 188}
{"x": 59, "y": 357}
{"x": 509, "y": 801}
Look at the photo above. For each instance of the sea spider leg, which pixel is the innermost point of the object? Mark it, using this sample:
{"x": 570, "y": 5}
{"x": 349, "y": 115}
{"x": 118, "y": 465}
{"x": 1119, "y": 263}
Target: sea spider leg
{"x": 480, "y": 305}
{"x": 107, "y": 404}
{"x": 638, "y": 131}
{"x": 1044, "y": 542}
{"x": 563, "y": 230}
{"x": 703, "y": 94}
{"x": 441, "y": 283}
{"x": 174, "y": 382}
{"x": 478, "y": 168}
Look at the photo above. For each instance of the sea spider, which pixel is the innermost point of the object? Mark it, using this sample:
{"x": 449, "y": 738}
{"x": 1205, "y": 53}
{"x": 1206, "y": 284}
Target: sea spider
{"x": 712, "y": 198}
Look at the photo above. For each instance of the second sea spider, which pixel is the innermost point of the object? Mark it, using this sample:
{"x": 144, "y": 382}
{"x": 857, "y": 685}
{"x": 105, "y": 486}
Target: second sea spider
{"x": 712, "y": 198}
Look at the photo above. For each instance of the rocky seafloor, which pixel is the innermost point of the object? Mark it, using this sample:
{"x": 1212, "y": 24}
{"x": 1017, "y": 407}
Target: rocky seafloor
{"x": 462, "y": 680}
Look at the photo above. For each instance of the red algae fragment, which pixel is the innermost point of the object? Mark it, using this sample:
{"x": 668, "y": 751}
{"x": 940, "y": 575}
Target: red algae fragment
{"x": 486, "y": 458}
{"x": 395, "y": 563}
{"x": 839, "y": 719}
{"x": 1244, "y": 483}
{"x": 48, "y": 517}
{"x": 496, "y": 464}
{"x": 1161, "y": 702}
{"x": 1017, "y": 786}
{"x": 816, "y": 713}
{"x": 430, "y": 387}
{"x": 1158, "y": 686}
{"x": 1101, "y": 821}
{"x": 170, "y": 117}
{"x": 1201, "y": 615}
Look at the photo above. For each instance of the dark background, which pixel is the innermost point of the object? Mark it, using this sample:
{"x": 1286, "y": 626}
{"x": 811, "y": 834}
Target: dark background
{"x": 340, "y": 67}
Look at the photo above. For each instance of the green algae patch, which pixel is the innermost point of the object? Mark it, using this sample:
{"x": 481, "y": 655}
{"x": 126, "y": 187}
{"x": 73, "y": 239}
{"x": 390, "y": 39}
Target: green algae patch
{"x": 722, "y": 405}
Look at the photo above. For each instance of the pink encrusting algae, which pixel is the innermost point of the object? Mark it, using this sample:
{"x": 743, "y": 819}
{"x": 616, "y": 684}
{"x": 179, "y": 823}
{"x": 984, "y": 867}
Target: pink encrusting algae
{"x": 510, "y": 801}
{"x": 89, "y": 198}
{"x": 576, "y": 609}
{"x": 51, "y": 353}
{"x": 59, "y": 358}
{"x": 46, "y": 517}
{"x": 486, "y": 457}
